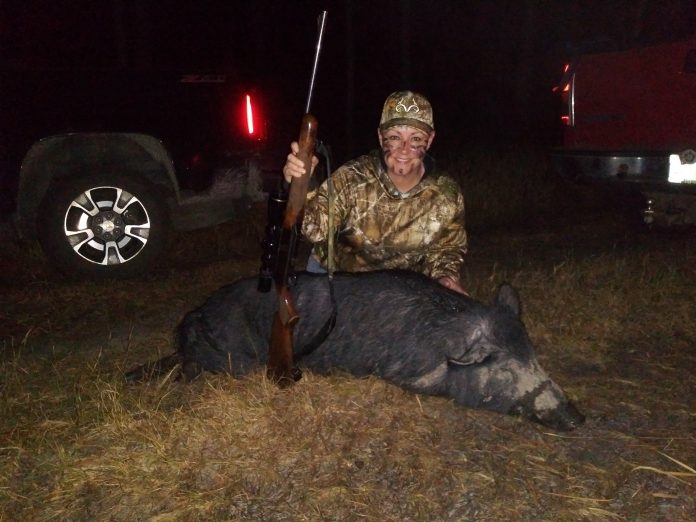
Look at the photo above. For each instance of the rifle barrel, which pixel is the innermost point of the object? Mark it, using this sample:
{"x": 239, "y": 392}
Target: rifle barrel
{"x": 321, "y": 22}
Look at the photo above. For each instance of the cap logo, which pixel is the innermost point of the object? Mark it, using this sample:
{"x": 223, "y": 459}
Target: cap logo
{"x": 401, "y": 106}
{"x": 407, "y": 108}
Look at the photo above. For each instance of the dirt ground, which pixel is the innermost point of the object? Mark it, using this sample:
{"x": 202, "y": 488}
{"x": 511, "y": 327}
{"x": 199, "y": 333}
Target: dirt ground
{"x": 609, "y": 306}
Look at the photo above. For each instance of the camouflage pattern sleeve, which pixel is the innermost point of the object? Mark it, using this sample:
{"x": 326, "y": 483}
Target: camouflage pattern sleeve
{"x": 315, "y": 222}
{"x": 445, "y": 257}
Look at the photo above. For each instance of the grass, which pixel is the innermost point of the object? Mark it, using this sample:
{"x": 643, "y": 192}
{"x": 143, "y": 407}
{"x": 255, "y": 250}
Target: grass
{"x": 609, "y": 308}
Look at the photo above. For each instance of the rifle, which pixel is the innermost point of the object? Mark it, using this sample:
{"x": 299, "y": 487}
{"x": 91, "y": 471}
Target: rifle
{"x": 280, "y": 355}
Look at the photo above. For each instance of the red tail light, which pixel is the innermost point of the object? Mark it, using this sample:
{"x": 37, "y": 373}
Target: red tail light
{"x": 254, "y": 119}
{"x": 249, "y": 115}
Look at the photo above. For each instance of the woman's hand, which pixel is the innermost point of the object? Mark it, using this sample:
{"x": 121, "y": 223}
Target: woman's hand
{"x": 294, "y": 166}
{"x": 452, "y": 284}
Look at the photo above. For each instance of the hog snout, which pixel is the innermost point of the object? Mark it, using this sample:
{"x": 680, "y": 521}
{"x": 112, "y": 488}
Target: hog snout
{"x": 564, "y": 418}
{"x": 549, "y": 407}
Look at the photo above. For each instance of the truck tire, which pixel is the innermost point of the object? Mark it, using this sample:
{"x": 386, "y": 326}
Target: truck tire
{"x": 103, "y": 226}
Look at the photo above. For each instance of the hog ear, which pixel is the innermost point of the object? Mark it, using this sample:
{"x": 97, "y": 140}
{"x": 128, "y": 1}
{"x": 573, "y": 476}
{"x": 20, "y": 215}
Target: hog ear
{"x": 508, "y": 297}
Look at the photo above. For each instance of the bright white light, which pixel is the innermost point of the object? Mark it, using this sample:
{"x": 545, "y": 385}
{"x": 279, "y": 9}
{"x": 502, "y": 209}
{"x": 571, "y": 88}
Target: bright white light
{"x": 681, "y": 172}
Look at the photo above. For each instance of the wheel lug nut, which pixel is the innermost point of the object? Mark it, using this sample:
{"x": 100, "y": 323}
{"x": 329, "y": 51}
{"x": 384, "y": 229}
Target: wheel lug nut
{"x": 98, "y": 219}
{"x": 107, "y": 235}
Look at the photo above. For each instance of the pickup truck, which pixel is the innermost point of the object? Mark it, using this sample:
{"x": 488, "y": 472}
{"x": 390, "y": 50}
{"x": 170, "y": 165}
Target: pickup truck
{"x": 629, "y": 120}
{"x": 101, "y": 166}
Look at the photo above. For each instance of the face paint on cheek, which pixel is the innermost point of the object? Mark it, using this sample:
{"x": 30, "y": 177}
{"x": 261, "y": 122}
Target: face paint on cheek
{"x": 388, "y": 147}
{"x": 420, "y": 151}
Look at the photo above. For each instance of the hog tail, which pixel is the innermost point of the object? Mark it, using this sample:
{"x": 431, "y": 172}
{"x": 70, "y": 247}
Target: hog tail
{"x": 153, "y": 369}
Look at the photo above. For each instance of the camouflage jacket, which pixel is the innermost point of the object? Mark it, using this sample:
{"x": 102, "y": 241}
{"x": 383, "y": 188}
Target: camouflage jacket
{"x": 379, "y": 227}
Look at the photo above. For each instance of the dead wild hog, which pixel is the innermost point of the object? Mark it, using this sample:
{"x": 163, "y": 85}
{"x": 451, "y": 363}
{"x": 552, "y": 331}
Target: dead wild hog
{"x": 400, "y": 326}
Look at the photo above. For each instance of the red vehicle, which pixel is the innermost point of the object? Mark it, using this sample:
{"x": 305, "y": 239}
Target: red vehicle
{"x": 630, "y": 118}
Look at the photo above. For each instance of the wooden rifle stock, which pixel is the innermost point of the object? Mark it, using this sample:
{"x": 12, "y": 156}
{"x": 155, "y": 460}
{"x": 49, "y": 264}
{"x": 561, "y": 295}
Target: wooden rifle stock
{"x": 280, "y": 355}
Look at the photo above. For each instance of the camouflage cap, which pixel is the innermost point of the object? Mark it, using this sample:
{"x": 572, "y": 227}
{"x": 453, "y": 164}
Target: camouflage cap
{"x": 407, "y": 108}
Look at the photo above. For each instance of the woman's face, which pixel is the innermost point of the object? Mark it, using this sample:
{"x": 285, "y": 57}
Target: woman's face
{"x": 404, "y": 148}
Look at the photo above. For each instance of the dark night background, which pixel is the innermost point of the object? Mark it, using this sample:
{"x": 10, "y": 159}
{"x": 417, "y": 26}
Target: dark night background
{"x": 487, "y": 66}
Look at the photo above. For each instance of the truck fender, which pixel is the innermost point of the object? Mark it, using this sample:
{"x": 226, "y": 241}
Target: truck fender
{"x": 60, "y": 157}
